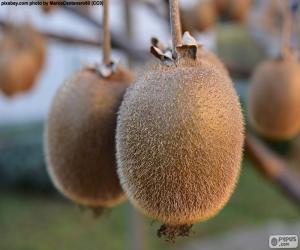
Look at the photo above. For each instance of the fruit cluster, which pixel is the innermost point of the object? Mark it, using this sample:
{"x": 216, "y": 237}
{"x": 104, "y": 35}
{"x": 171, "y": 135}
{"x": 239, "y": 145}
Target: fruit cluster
{"x": 172, "y": 143}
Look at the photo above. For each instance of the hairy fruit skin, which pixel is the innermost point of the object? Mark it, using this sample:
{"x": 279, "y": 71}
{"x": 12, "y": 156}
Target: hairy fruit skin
{"x": 274, "y": 99}
{"x": 80, "y": 146}
{"x": 179, "y": 141}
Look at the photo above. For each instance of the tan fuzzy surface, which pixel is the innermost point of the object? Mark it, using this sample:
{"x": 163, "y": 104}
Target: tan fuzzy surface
{"x": 179, "y": 141}
{"x": 213, "y": 60}
{"x": 274, "y": 99}
{"x": 80, "y": 145}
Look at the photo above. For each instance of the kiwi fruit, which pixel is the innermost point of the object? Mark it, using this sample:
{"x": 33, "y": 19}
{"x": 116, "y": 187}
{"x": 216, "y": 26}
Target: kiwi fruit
{"x": 179, "y": 141}
{"x": 17, "y": 71}
{"x": 235, "y": 10}
{"x": 22, "y": 56}
{"x": 27, "y": 37}
{"x": 213, "y": 61}
{"x": 79, "y": 138}
{"x": 274, "y": 98}
{"x": 200, "y": 17}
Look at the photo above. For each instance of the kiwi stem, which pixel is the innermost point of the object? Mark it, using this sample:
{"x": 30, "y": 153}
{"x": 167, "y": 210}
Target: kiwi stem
{"x": 106, "y": 34}
{"x": 286, "y": 29}
{"x": 175, "y": 25}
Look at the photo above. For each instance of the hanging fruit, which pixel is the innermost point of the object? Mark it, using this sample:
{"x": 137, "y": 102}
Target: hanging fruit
{"x": 274, "y": 98}
{"x": 274, "y": 94}
{"x": 180, "y": 136}
{"x": 22, "y": 55}
{"x": 80, "y": 133}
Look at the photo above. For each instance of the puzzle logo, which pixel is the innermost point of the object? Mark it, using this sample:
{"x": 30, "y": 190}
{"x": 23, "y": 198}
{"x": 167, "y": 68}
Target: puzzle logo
{"x": 283, "y": 241}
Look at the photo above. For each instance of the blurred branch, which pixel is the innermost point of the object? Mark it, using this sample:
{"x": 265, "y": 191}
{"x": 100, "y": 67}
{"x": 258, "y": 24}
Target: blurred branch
{"x": 273, "y": 167}
{"x": 138, "y": 55}
{"x": 118, "y": 42}
{"x": 124, "y": 44}
{"x": 159, "y": 9}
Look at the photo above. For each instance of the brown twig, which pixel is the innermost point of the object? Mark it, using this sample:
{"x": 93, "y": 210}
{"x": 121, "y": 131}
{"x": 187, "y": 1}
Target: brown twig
{"x": 135, "y": 54}
{"x": 273, "y": 167}
{"x": 287, "y": 28}
{"x": 138, "y": 55}
{"x": 175, "y": 25}
{"x": 117, "y": 41}
{"x": 106, "y": 34}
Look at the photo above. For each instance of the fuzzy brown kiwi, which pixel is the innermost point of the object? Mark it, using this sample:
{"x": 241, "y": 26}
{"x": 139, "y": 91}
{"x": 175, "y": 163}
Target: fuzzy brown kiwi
{"x": 274, "y": 98}
{"x": 200, "y": 17}
{"x": 21, "y": 57}
{"x": 179, "y": 142}
{"x": 213, "y": 60}
{"x": 17, "y": 71}
{"x": 27, "y": 37}
{"x": 80, "y": 147}
{"x": 235, "y": 10}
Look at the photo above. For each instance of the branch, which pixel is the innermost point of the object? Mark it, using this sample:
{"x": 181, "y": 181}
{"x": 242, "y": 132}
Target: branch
{"x": 138, "y": 55}
{"x": 273, "y": 167}
{"x": 117, "y": 41}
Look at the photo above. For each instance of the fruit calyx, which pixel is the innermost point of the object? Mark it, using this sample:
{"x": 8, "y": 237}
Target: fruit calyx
{"x": 104, "y": 70}
{"x": 188, "y": 48}
{"x": 171, "y": 232}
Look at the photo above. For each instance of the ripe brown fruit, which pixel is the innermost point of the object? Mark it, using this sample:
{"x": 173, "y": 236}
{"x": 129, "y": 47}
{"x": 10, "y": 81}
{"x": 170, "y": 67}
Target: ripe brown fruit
{"x": 80, "y": 146}
{"x": 22, "y": 55}
{"x": 200, "y": 17}
{"x": 179, "y": 141}
{"x": 213, "y": 61}
{"x": 25, "y": 37}
{"x": 236, "y": 10}
{"x": 17, "y": 72}
{"x": 274, "y": 98}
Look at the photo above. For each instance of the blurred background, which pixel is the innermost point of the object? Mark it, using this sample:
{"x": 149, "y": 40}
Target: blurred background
{"x": 34, "y": 216}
